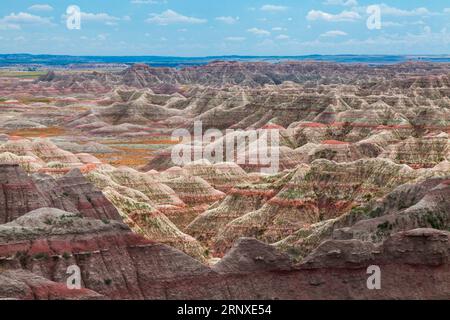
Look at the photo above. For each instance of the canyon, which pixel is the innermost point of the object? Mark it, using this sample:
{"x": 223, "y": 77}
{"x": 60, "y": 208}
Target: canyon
{"x": 88, "y": 178}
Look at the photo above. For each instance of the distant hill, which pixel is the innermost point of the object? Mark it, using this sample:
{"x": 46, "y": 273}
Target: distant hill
{"x": 160, "y": 61}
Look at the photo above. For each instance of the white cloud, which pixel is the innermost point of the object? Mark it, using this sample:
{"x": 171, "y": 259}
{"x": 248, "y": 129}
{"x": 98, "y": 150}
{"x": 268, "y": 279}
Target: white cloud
{"x": 102, "y": 37}
{"x": 343, "y": 16}
{"x": 392, "y": 24}
{"x": 334, "y": 33}
{"x": 99, "y": 17}
{"x": 99, "y": 37}
{"x": 283, "y": 37}
{"x": 144, "y": 2}
{"x": 8, "y": 26}
{"x": 392, "y": 11}
{"x": 345, "y": 3}
{"x": 23, "y": 17}
{"x": 278, "y": 29}
{"x": 397, "y": 43}
{"x": 170, "y": 17}
{"x": 273, "y": 8}
{"x": 41, "y": 7}
{"x": 259, "y": 32}
{"x": 15, "y": 21}
{"x": 228, "y": 20}
{"x": 235, "y": 39}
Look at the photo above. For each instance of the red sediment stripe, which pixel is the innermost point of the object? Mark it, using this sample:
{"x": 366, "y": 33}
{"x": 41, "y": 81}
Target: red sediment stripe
{"x": 293, "y": 203}
{"x": 249, "y": 193}
{"x": 272, "y": 126}
{"x": 335, "y": 142}
{"x": 83, "y": 244}
{"x": 324, "y": 184}
{"x": 84, "y": 169}
{"x": 200, "y": 198}
{"x": 313, "y": 125}
{"x": 18, "y": 186}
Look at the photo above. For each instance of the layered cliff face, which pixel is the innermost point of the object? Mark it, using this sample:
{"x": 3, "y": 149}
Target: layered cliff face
{"x": 403, "y": 209}
{"x": 24, "y": 285}
{"x": 344, "y": 98}
{"x": 425, "y": 152}
{"x": 153, "y": 224}
{"x": 423, "y": 204}
{"x": 243, "y": 198}
{"x": 74, "y": 193}
{"x": 19, "y": 194}
{"x": 118, "y": 264}
{"x": 323, "y": 191}
{"x": 159, "y": 194}
{"x": 322, "y": 111}
{"x": 89, "y": 200}
{"x": 220, "y": 73}
{"x": 23, "y": 193}
{"x": 41, "y": 155}
{"x": 41, "y": 149}
{"x": 139, "y": 107}
{"x": 46, "y": 241}
{"x": 113, "y": 261}
{"x": 87, "y": 178}
{"x": 192, "y": 189}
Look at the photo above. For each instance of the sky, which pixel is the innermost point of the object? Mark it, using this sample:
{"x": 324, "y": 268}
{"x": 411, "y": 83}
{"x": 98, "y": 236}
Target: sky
{"x": 195, "y": 28}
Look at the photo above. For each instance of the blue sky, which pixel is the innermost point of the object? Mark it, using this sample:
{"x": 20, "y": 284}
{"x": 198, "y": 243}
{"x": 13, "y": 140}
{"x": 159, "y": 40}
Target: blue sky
{"x": 211, "y": 27}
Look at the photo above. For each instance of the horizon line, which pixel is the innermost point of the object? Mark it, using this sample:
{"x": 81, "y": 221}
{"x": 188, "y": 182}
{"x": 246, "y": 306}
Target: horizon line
{"x": 235, "y": 55}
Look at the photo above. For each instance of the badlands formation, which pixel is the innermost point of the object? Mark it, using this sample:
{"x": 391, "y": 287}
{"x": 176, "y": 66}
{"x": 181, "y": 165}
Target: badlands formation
{"x": 88, "y": 179}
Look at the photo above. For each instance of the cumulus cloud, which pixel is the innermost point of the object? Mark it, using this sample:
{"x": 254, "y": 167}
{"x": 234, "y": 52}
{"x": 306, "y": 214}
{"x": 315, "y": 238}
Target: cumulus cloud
{"x": 392, "y": 11}
{"x": 15, "y": 21}
{"x": 345, "y": 3}
{"x": 23, "y": 17}
{"x": 170, "y": 17}
{"x": 228, "y": 20}
{"x": 343, "y": 16}
{"x": 144, "y": 2}
{"x": 389, "y": 24}
{"x": 259, "y": 32}
{"x": 8, "y": 26}
{"x": 283, "y": 37}
{"x": 41, "y": 7}
{"x": 100, "y": 17}
{"x": 235, "y": 39}
{"x": 334, "y": 33}
{"x": 273, "y": 8}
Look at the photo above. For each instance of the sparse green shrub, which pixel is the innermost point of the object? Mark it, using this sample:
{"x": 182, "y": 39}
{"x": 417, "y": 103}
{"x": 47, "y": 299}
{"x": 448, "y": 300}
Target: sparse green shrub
{"x": 66, "y": 255}
{"x": 41, "y": 256}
